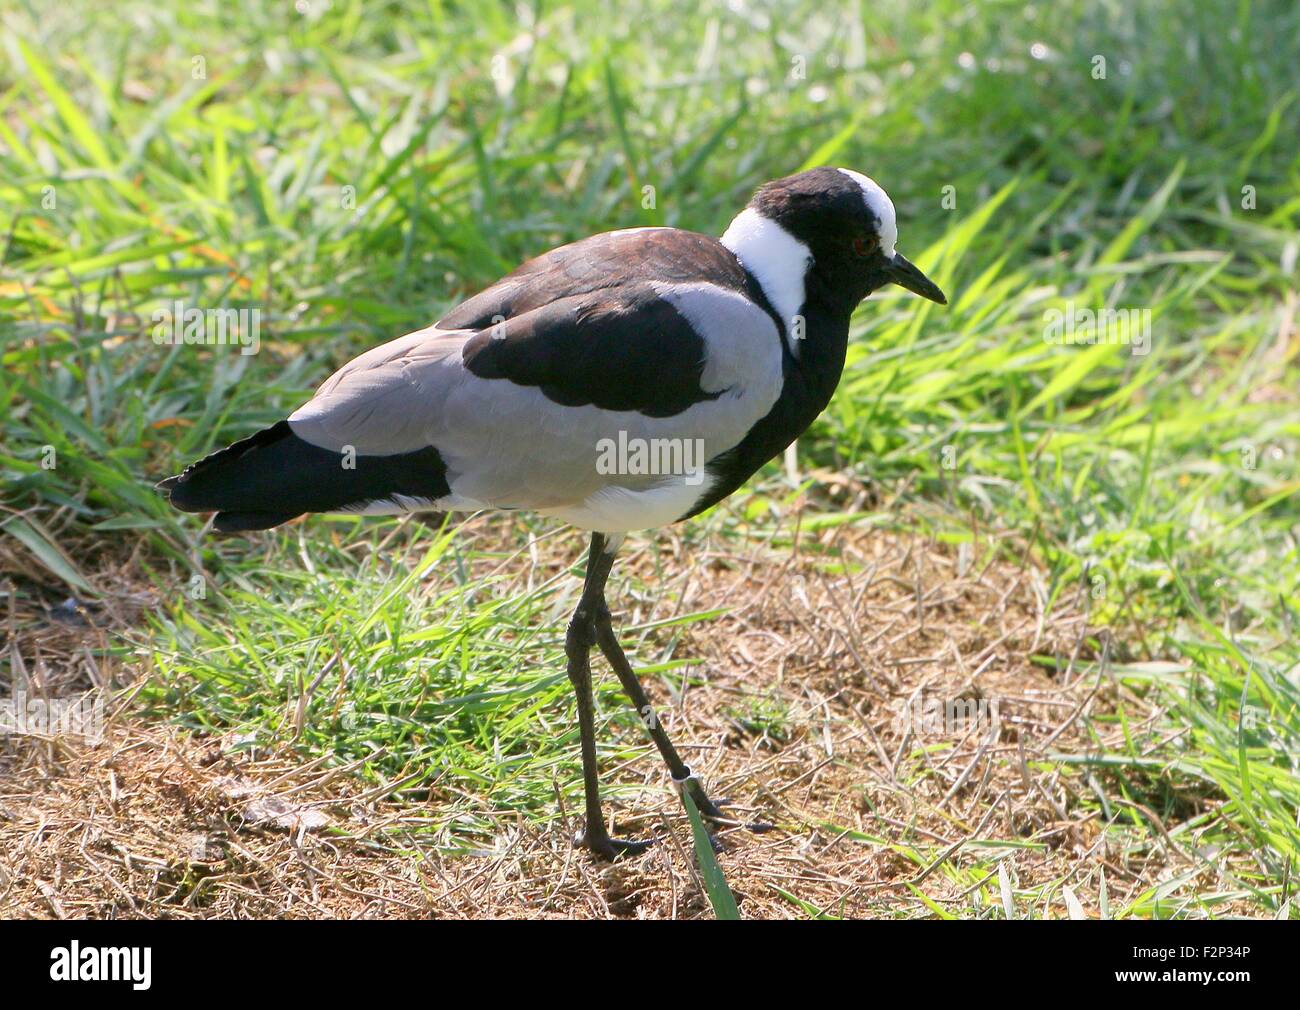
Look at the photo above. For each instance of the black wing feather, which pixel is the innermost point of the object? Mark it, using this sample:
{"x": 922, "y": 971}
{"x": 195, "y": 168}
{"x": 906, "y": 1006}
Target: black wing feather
{"x": 583, "y": 323}
{"x": 626, "y": 349}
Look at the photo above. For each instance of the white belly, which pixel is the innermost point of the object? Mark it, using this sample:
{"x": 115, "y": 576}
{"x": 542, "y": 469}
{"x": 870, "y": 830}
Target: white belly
{"x": 620, "y": 510}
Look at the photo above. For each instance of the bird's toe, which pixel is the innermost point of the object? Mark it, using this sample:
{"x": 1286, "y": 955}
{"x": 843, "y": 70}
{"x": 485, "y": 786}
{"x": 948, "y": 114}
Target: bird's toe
{"x": 610, "y": 849}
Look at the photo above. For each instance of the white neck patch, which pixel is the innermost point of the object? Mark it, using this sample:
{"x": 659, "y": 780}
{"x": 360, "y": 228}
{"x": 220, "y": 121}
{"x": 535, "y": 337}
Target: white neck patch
{"x": 881, "y": 207}
{"x": 777, "y": 260}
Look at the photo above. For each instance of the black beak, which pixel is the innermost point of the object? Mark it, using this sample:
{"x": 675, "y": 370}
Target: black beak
{"x": 901, "y": 271}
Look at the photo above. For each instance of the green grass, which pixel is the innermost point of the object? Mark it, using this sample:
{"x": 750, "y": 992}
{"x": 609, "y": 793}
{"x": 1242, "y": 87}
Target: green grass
{"x": 353, "y": 171}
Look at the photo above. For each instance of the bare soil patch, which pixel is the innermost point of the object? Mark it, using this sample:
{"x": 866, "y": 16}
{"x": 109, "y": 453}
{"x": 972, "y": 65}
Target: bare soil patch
{"x": 821, "y": 687}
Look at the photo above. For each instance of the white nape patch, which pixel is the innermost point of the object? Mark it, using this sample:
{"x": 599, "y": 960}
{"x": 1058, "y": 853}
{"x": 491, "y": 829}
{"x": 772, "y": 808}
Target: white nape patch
{"x": 778, "y": 261}
{"x": 881, "y": 206}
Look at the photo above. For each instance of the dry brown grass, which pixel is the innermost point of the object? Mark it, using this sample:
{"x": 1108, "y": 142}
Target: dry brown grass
{"x": 798, "y": 724}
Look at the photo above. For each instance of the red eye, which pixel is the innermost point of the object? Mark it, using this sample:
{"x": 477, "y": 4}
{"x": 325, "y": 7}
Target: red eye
{"x": 863, "y": 246}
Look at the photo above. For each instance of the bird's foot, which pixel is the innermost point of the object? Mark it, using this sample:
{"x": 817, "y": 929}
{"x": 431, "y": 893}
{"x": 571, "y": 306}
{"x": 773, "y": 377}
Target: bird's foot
{"x": 609, "y": 849}
{"x": 711, "y": 810}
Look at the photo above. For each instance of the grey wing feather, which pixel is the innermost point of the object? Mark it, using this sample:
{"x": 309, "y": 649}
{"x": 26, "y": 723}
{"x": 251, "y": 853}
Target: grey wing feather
{"x": 511, "y": 446}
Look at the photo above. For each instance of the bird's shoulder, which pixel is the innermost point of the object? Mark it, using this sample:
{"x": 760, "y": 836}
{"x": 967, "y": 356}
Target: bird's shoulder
{"x": 652, "y": 320}
{"x": 610, "y": 262}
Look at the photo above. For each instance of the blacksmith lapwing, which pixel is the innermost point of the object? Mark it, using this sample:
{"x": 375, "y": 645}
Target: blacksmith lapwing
{"x": 623, "y": 382}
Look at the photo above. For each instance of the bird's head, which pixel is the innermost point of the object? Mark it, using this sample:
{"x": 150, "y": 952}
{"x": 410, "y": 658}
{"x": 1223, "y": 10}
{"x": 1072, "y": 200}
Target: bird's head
{"x": 828, "y": 229}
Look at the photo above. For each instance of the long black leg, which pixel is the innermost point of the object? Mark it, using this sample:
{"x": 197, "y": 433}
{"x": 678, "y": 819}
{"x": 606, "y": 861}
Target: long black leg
{"x": 599, "y": 565}
{"x": 578, "y": 641}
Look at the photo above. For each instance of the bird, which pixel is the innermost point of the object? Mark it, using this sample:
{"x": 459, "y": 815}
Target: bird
{"x": 623, "y": 382}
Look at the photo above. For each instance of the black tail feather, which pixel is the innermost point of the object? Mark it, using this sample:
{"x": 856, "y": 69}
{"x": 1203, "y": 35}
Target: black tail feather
{"x": 190, "y": 488}
{"x": 274, "y": 476}
{"x": 240, "y": 522}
